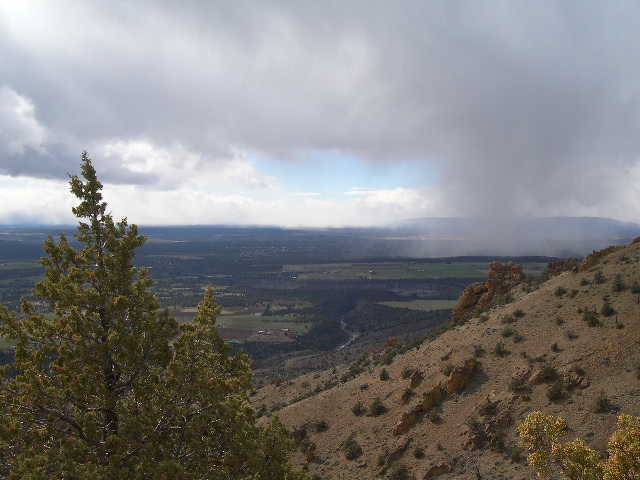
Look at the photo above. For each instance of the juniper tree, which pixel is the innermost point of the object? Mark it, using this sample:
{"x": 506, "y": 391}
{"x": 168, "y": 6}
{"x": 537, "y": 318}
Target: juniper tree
{"x": 106, "y": 385}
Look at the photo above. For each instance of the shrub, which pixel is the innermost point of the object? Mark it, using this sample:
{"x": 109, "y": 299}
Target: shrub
{"x": 571, "y": 335}
{"x": 584, "y": 282}
{"x": 635, "y": 287}
{"x": 507, "y": 319}
{"x": 555, "y": 391}
{"x": 618, "y": 284}
{"x": 555, "y": 348}
{"x": 517, "y": 338}
{"x": 559, "y": 321}
{"x": 500, "y": 350}
{"x": 351, "y": 448}
{"x": 602, "y": 404}
{"x": 322, "y": 426}
{"x": 519, "y": 313}
{"x": 358, "y": 409}
{"x": 541, "y": 433}
{"x": 483, "y": 317}
{"x": 384, "y": 375}
{"x": 447, "y": 369}
{"x": 418, "y": 452}
{"x": 591, "y": 318}
{"x": 478, "y": 351}
{"x": 406, "y": 395}
{"x": 519, "y": 385}
{"x": 549, "y": 374}
{"x": 573, "y": 293}
{"x": 560, "y": 291}
{"x": 377, "y": 408}
{"x": 434, "y": 417}
{"x": 607, "y": 310}
{"x": 508, "y": 332}
{"x": 599, "y": 277}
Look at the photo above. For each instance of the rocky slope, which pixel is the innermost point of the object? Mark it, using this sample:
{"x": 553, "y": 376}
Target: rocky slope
{"x": 449, "y": 408}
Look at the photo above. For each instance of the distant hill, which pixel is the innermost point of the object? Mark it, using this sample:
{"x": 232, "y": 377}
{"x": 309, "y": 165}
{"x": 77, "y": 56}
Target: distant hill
{"x": 448, "y": 409}
{"x": 553, "y": 236}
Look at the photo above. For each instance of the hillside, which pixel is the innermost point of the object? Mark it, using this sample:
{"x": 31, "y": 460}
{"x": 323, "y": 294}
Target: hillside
{"x": 554, "y": 349}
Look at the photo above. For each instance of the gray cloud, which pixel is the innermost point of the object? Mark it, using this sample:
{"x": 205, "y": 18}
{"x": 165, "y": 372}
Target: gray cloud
{"x": 523, "y": 107}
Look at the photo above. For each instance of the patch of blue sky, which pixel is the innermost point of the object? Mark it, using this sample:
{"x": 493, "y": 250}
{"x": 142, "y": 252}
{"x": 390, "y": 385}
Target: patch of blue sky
{"x": 332, "y": 173}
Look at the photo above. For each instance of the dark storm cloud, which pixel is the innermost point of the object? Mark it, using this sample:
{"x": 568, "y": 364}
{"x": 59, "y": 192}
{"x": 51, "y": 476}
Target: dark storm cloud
{"x": 521, "y": 106}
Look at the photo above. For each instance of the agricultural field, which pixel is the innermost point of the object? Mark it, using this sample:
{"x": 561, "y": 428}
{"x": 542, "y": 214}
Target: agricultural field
{"x": 395, "y": 270}
{"x": 422, "y": 305}
{"x": 250, "y": 324}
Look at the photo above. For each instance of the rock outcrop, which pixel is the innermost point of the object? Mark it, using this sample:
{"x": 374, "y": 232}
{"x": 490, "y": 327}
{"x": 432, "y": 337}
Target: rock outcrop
{"x": 480, "y": 296}
{"x": 560, "y": 266}
{"x": 461, "y": 376}
{"x": 595, "y": 257}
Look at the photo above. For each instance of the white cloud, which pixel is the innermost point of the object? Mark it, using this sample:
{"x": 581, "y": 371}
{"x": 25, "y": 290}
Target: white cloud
{"x": 19, "y": 127}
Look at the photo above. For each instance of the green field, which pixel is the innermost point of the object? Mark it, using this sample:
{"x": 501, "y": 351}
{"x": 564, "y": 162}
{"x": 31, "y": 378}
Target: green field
{"x": 396, "y": 270}
{"x": 253, "y": 322}
{"x": 422, "y": 305}
{"x": 249, "y": 321}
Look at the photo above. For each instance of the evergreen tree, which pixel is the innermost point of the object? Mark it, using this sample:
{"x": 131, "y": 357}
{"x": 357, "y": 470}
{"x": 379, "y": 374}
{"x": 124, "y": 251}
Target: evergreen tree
{"x": 106, "y": 385}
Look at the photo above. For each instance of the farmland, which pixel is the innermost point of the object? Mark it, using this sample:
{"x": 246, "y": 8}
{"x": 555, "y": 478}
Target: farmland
{"x": 282, "y": 292}
{"x": 422, "y": 305}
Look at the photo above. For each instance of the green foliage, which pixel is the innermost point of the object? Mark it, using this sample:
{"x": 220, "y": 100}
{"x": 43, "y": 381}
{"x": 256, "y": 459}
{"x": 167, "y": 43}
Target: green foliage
{"x": 109, "y": 386}
{"x": 541, "y": 433}
{"x": 384, "y": 374}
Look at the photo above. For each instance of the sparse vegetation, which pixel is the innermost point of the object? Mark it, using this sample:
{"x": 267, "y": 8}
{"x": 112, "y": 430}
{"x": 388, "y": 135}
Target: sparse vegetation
{"x": 384, "y": 374}
{"x": 618, "y": 284}
{"x": 560, "y": 291}
{"x": 591, "y": 318}
{"x": 351, "y": 448}
{"x": 500, "y": 350}
{"x": 599, "y": 278}
{"x": 556, "y": 391}
{"x": 602, "y": 404}
{"x": 507, "y": 332}
{"x": 519, "y": 313}
{"x": 478, "y": 351}
{"x": 321, "y": 426}
{"x": 358, "y": 409}
{"x": 377, "y": 408}
{"x": 607, "y": 309}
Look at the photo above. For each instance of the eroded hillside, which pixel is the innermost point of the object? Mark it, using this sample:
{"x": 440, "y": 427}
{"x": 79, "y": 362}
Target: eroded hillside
{"x": 448, "y": 409}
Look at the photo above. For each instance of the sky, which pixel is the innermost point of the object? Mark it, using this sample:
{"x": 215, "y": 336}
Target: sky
{"x": 334, "y": 113}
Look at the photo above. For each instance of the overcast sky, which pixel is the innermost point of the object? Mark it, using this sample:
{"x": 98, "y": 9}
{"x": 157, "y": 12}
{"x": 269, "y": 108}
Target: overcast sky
{"x": 308, "y": 113}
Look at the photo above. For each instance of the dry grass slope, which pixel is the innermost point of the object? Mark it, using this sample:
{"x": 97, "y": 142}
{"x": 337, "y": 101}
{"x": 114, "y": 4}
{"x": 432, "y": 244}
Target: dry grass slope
{"x": 569, "y": 348}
